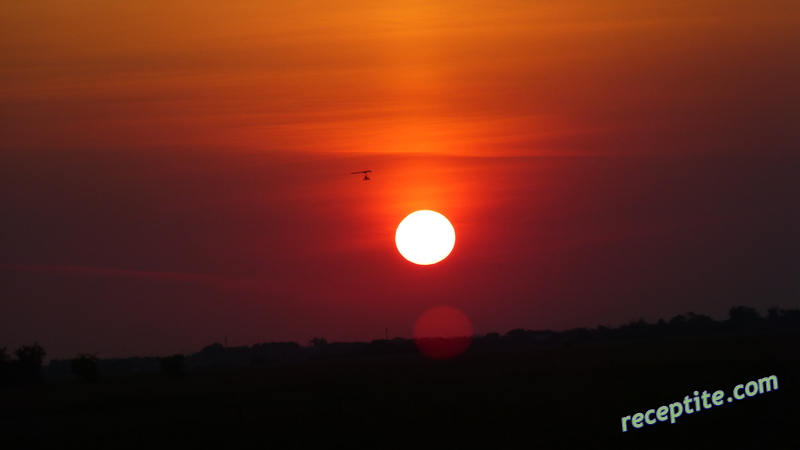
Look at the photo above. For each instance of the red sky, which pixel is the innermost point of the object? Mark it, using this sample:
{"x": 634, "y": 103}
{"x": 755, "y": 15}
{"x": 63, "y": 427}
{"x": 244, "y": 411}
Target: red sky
{"x": 176, "y": 173}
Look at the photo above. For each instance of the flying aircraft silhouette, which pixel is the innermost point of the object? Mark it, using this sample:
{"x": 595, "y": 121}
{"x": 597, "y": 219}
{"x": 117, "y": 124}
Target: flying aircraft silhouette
{"x": 366, "y": 178}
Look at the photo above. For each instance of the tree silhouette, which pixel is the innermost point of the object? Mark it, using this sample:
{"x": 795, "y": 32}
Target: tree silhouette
{"x": 743, "y": 319}
{"x": 174, "y": 366}
{"x": 699, "y": 324}
{"x": 790, "y": 317}
{"x": 492, "y": 339}
{"x": 4, "y": 365}
{"x": 677, "y": 322}
{"x": 773, "y": 314}
{"x": 29, "y": 363}
{"x": 85, "y": 367}
{"x": 318, "y": 343}
{"x": 743, "y": 314}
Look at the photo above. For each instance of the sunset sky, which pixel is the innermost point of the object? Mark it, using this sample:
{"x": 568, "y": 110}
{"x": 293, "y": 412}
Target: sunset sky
{"x": 173, "y": 173}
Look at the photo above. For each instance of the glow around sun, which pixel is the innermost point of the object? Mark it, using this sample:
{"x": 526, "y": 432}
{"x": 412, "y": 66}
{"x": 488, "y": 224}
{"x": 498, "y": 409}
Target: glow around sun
{"x": 425, "y": 237}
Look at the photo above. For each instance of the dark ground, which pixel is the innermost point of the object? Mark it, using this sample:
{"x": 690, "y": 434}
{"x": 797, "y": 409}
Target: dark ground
{"x": 566, "y": 397}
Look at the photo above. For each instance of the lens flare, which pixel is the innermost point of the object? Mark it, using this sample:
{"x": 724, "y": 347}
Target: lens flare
{"x": 443, "y": 332}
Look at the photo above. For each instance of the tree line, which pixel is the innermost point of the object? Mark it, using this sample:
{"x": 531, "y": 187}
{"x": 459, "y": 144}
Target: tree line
{"x": 27, "y": 366}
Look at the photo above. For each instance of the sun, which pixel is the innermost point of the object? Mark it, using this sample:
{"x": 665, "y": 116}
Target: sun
{"x": 425, "y": 237}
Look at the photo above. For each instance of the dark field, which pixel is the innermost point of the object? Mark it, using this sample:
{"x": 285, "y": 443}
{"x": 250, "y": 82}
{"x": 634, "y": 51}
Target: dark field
{"x": 541, "y": 398}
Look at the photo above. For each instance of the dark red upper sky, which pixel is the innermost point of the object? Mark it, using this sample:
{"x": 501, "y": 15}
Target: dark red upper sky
{"x": 172, "y": 175}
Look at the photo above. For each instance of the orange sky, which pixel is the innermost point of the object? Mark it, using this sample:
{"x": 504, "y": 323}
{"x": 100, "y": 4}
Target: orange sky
{"x": 189, "y": 162}
{"x": 454, "y": 77}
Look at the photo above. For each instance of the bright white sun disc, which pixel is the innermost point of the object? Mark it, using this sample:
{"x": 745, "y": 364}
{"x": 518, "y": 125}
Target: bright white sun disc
{"x": 425, "y": 237}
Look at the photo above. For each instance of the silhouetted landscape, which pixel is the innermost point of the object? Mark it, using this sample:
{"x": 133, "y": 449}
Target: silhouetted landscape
{"x": 741, "y": 319}
{"x": 400, "y": 225}
{"x": 525, "y": 387}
